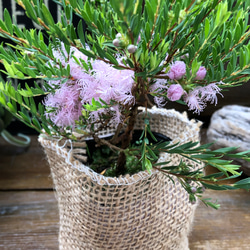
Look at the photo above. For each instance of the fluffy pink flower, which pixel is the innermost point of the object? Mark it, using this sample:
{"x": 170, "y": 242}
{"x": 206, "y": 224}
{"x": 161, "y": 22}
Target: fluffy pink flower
{"x": 64, "y": 107}
{"x": 201, "y": 73}
{"x": 209, "y": 93}
{"x": 177, "y": 70}
{"x": 194, "y": 102}
{"x": 103, "y": 81}
{"x": 175, "y": 92}
{"x": 109, "y": 84}
{"x": 196, "y": 99}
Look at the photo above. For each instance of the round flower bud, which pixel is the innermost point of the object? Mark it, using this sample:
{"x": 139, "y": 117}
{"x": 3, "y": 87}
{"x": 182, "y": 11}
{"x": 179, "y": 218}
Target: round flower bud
{"x": 193, "y": 190}
{"x": 177, "y": 70}
{"x": 131, "y": 48}
{"x": 174, "y": 93}
{"x": 201, "y": 73}
{"x": 116, "y": 42}
{"x": 118, "y": 35}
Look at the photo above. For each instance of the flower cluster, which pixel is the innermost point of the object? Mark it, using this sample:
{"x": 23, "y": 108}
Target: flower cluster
{"x": 114, "y": 88}
{"x": 196, "y": 97}
{"x": 101, "y": 82}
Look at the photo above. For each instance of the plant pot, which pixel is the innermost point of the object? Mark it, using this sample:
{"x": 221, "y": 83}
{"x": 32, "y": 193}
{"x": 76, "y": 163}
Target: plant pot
{"x": 143, "y": 211}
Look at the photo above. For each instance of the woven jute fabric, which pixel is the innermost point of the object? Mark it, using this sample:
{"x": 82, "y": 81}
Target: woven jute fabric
{"x": 145, "y": 211}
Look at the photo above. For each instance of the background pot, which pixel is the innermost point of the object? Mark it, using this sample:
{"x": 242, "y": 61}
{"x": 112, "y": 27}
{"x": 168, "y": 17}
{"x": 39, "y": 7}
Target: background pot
{"x": 143, "y": 211}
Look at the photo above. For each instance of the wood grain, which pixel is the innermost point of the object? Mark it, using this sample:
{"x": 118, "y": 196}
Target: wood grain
{"x": 225, "y": 228}
{"x": 28, "y": 220}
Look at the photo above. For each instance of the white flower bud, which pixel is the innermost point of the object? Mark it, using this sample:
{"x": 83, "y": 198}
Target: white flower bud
{"x": 131, "y": 48}
{"x": 116, "y": 42}
{"x": 118, "y": 35}
{"x": 193, "y": 190}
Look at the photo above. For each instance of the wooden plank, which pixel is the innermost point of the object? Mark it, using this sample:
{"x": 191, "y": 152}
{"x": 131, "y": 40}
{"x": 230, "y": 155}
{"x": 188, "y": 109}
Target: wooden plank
{"x": 23, "y": 169}
{"x": 28, "y": 220}
{"x": 225, "y": 228}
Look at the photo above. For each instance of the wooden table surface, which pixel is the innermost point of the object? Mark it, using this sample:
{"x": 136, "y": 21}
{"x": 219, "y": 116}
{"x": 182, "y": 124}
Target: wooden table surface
{"x": 29, "y": 216}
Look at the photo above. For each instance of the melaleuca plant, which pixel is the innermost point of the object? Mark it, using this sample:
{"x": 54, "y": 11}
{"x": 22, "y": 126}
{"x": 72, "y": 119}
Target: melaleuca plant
{"x": 132, "y": 54}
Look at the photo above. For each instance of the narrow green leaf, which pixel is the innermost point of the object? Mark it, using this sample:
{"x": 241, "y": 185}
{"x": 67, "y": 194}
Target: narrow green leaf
{"x": 8, "y": 21}
{"x": 217, "y": 187}
{"x": 30, "y": 10}
{"x": 237, "y": 33}
{"x": 207, "y": 28}
{"x": 227, "y": 45}
{"x": 152, "y": 154}
{"x": 36, "y": 123}
{"x": 111, "y": 58}
{"x": 242, "y": 58}
{"x": 245, "y": 184}
{"x": 47, "y": 16}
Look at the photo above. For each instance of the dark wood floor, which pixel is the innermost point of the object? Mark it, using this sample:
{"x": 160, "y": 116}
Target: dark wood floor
{"x": 29, "y": 216}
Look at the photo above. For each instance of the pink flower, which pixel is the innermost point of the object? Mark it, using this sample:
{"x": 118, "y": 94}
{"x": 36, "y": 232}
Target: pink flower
{"x": 102, "y": 81}
{"x": 109, "y": 84}
{"x": 196, "y": 99}
{"x": 194, "y": 102}
{"x": 209, "y": 93}
{"x": 175, "y": 92}
{"x": 64, "y": 107}
{"x": 177, "y": 70}
{"x": 201, "y": 73}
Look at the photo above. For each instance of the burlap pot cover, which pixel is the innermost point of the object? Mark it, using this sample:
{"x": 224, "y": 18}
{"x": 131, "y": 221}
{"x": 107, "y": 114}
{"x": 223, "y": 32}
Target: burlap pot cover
{"x": 143, "y": 211}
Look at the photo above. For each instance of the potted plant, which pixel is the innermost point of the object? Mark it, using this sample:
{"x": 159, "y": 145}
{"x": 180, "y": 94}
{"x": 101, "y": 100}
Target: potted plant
{"x": 105, "y": 84}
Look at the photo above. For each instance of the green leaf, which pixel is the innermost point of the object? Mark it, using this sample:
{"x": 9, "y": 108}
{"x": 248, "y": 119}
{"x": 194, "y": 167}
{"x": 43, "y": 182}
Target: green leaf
{"x": 244, "y": 184}
{"x": 147, "y": 32}
{"x": 88, "y": 10}
{"x": 47, "y": 16}
{"x": 11, "y": 107}
{"x": 207, "y": 27}
{"x": 30, "y": 10}
{"x": 36, "y": 123}
{"x": 242, "y": 58}
{"x": 224, "y": 150}
{"x": 100, "y": 51}
{"x": 8, "y": 21}
{"x": 237, "y": 33}
{"x": 152, "y": 154}
{"x": 215, "y": 175}
{"x": 227, "y": 45}
{"x": 88, "y": 53}
{"x": 217, "y": 187}
{"x": 207, "y": 202}
{"x": 196, "y": 42}
{"x": 149, "y": 12}
{"x": 148, "y": 164}
{"x": 111, "y": 58}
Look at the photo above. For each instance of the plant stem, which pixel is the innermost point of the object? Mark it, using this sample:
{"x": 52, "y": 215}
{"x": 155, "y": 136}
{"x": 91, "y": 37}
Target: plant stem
{"x": 126, "y": 138}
